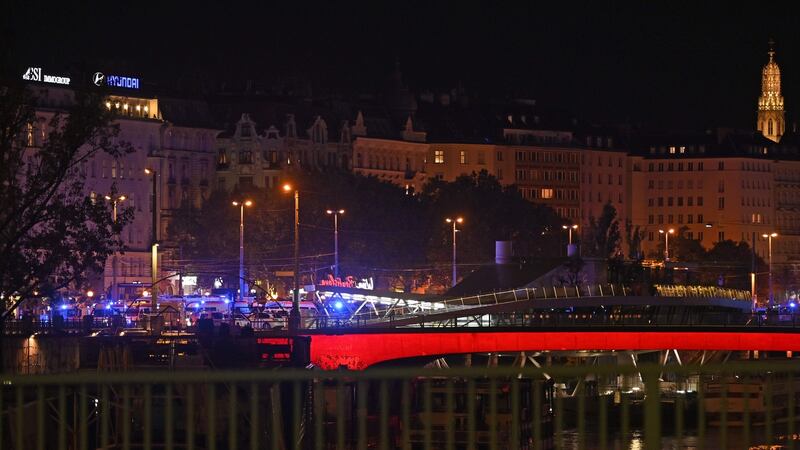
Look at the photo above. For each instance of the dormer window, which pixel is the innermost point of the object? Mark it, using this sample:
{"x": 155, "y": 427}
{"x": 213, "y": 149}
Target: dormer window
{"x": 246, "y": 131}
{"x": 319, "y": 132}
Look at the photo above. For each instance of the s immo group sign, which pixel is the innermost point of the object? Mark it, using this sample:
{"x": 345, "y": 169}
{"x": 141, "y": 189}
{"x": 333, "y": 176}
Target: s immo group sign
{"x": 35, "y": 74}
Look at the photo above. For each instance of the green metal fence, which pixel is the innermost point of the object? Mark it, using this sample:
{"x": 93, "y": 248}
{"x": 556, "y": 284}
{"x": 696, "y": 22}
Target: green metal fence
{"x": 736, "y": 405}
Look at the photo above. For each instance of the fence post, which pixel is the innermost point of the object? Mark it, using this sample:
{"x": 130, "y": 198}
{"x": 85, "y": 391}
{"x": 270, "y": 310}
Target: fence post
{"x": 652, "y": 411}
{"x": 600, "y": 286}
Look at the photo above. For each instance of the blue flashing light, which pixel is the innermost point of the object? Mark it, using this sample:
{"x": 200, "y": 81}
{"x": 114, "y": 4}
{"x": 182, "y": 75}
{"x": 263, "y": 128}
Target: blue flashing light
{"x": 108, "y": 306}
{"x": 227, "y": 301}
{"x": 203, "y": 302}
{"x": 338, "y": 305}
{"x": 792, "y": 305}
{"x": 63, "y": 306}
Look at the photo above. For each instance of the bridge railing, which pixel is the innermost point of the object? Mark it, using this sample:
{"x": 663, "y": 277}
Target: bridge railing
{"x": 739, "y": 404}
{"x": 495, "y": 298}
{"x": 545, "y": 292}
{"x": 671, "y": 290}
{"x": 541, "y": 292}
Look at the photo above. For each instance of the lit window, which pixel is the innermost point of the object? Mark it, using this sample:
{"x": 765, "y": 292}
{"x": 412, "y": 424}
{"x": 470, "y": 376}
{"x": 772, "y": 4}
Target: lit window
{"x": 463, "y": 157}
{"x": 547, "y": 193}
{"x": 438, "y": 156}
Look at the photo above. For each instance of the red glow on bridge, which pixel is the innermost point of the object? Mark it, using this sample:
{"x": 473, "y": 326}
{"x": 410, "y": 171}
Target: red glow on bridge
{"x": 359, "y": 351}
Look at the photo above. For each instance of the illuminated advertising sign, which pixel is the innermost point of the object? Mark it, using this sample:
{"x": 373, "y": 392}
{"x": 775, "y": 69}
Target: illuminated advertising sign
{"x": 100, "y": 79}
{"x": 348, "y": 282}
{"x": 35, "y": 74}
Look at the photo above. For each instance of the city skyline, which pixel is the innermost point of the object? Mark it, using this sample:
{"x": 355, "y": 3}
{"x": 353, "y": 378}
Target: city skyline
{"x": 685, "y": 67}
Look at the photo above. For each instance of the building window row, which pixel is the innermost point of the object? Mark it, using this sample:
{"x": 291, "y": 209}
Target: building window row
{"x": 567, "y": 213}
{"x": 673, "y": 201}
{"x": 670, "y": 184}
{"x": 755, "y": 184}
{"x": 588, "y": 178}
{"x": 546, "y": 175}
{"x": 548, "y": 193}
{"x": 678, "y": 149}
{"x": 671, "y": 219}
{"x": 756, "y": 201}
{"x": 673, "y": 167}
{"x": 547, "y": 157}
{"x": 755, "y": 166}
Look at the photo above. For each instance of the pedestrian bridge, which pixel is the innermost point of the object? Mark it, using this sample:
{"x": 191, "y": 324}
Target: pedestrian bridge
{"x": 355, "y": 307}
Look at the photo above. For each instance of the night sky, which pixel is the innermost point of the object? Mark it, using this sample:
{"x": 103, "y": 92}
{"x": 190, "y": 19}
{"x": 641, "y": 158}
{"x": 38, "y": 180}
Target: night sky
{"x": 663, "y": 65}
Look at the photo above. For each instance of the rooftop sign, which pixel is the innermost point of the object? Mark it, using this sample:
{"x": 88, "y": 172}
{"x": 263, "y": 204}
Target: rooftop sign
{"x": 101, "y": 79}
{"x": 348, "y": 282}
{"x": 35, "y": 74}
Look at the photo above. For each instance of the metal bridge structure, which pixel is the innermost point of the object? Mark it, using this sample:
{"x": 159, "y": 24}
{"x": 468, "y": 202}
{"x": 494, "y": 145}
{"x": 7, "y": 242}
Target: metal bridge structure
{"x": 602, "y": 318}
{"x": 371, "y": 309}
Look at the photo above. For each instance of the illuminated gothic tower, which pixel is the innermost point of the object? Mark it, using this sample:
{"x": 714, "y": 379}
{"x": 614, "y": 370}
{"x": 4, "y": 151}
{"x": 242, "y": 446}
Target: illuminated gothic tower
{"x": 770, "y": 104}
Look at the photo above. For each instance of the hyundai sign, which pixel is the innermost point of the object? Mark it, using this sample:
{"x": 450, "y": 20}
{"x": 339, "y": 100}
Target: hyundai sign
{"x": 101, "y": 79}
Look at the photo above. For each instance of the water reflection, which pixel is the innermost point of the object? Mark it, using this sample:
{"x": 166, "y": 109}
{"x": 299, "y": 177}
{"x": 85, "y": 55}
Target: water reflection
{"x": 712, "y": 439}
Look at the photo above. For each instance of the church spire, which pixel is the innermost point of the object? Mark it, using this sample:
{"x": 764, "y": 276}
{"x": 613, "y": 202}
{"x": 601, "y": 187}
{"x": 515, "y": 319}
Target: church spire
{"x": 771, "y": 122}
{"x": 771, "y": 51}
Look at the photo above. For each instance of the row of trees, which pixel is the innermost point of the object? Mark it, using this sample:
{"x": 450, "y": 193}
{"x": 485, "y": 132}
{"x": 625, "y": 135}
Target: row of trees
{"x": 382, "y": 230}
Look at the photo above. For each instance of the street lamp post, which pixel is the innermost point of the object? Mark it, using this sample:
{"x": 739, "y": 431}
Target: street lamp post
{"x": 241, "y": 205}
{"x": 154, "y": 243}
{"x": 666, "y": 243}
{"x": 569, "y": 228}
{"x": 769, "y": 246}
{"x": 335, "y": 214}
{"x": 454, "y": 222}
{"x": 114, "y": 291}
{"x": 294, "y": 314}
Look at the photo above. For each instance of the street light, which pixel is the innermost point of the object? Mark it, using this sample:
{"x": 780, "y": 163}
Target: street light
{"x": 294, "y": 314}
{"x": 241, "y": 206}
{"x": 454, "y": 221}
{"x": 666, "y": 243}
{"x": 769, "y": 245}
{"x": 114, "y": 201}
{"x": 570, "y": 228}
{"x": 154, "y": 243}
{"x": 335, "y": 214}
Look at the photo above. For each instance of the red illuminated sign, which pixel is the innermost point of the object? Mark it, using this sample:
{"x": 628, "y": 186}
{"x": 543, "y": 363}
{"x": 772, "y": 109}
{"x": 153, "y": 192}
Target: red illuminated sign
{"x": 348, "y": 282}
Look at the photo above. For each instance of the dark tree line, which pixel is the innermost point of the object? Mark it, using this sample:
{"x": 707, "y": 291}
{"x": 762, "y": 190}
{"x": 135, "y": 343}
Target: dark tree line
{"x": 383, "y": 230}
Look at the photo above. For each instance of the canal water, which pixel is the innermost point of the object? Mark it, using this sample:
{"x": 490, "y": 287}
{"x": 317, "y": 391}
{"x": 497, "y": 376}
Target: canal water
{"x": 713, "y": 439}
